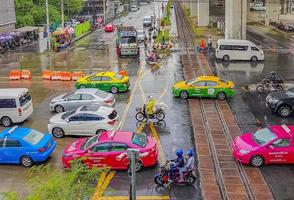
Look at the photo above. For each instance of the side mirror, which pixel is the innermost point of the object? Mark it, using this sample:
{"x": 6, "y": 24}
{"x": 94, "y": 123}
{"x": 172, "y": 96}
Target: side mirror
{"x": 67, "y": 120}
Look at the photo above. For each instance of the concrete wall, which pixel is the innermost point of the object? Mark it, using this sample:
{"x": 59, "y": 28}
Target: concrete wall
{"x": 203, "y": 12}
{"x": 235, "y": 19}
{"x": 7, "y": 15}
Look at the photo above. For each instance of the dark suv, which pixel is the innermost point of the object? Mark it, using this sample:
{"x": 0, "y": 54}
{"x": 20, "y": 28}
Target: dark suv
{"x": 281, "y": 102}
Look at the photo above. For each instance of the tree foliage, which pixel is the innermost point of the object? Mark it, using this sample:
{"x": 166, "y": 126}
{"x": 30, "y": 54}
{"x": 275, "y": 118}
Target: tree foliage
{"x": 33, "y": 12}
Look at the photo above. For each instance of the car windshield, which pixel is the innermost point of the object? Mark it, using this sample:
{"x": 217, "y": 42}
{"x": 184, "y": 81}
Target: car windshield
{"x": 128, "y": 40}
{"x": 118, "y": 76}
{"x": 89, "y": 142}
{"x": 24, "y": 99}
{"x": 139, "y": 139}
{"x": 34, "y": 137}
{"x": 66, "y": 95}
{"x": 263, "y": 136}
{"x": 290, "y": 92}
{"x": 67, "y": 114}
{"x": 101, "y": 93}
{"x": 223, "y": 81}
{"x": 189, "y": 82}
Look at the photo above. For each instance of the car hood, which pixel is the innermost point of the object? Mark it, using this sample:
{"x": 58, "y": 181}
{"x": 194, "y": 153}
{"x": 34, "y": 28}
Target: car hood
{"x": 278, "y": 95}
{"x": 57, "y": 118}
{"x": 245, "y": 142}
{"x": 180, "y": 84}
{"x": 74, "y": 148}
{"x": 58, "y": 98}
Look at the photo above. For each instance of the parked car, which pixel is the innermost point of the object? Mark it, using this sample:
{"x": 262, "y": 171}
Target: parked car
{"x": 25, "y": 146}
{"x": 134, "y": 8}
{"x": 281, "y": 102}
{"x": 141, "y": 35}
{"x": 147, "y": 21}
{"x": 81, "y": 97}
{"x": 15, "y": 105}
{"x": 86, "y": 120}
{"x": 103, "y": 150}
{"x": 108, "y": 81}
{"x": 109, "y": 28}
{"x": 204, "y": 86}
{"x": 273, "y": 144}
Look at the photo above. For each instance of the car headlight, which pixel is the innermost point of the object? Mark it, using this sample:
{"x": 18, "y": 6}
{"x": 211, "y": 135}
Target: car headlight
{"x": 243, "y": 152}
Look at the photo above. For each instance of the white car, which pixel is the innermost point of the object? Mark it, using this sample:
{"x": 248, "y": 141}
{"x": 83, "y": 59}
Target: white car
{"x": 85, "y": 121}
{"x": 141, "y": 35}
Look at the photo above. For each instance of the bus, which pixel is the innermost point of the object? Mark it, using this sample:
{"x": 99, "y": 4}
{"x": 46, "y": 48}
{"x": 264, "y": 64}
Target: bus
{"x": 229, "y": 49}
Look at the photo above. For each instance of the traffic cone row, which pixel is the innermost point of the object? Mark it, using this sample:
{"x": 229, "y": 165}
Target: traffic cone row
{"x": 62, "y": 75}
{"x": 20, "y": 74}
{"x": 161, "y": 46}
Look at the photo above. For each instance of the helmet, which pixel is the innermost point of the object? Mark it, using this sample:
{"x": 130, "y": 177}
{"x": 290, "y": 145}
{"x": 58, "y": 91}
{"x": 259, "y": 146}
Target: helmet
{"x": 190, "y": 152}
{"x": 150, "y": 97}
{"x": 273, "y": 72}
{"x": 179, "y": 152}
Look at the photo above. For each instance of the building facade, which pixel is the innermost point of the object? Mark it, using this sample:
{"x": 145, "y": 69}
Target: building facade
{"x": 95, "y": 8}
{"x": 7, "y": 15}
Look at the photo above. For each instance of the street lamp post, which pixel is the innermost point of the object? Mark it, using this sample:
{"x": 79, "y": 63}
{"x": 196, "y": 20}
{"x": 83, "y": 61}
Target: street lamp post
{"x": 104, "y": 12}
{"x": 62, "y": 14}
{"x": 48, "y": 28}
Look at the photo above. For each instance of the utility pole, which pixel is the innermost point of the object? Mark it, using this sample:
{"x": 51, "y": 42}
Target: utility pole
{"x": 62, "y": 14}
{"x": 104, "y": 12}
{"x": 48, "y": 28}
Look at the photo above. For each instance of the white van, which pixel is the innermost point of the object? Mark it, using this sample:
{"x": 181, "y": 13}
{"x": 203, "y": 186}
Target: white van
{"x": 15, "y": 105}
{"x": 228, "y": 49}
{"x": 134, "y": 8}
{"x": 147, "y": 21}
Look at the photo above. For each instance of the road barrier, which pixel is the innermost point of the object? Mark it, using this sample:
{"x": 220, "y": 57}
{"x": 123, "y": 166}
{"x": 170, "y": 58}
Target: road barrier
{"x": 55, "y": 75}
{"x": 47, "y": 74}
{"x": 15, "y": 74}
{"x": 65, "y": 76}
{"x": 76, "y": 75}
{"x": 26, "y": 74}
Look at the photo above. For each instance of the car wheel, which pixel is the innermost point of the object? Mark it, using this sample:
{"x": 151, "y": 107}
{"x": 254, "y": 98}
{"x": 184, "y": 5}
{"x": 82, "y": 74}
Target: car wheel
{"x": 184, "y": 94}
{"x": 226, "y": 58}
{"x": 82, "y": 86}
{"x": 284, "y": 111}
{"x": 58, "y": 132}
{"x": 260, "y": 89}
{"x": 6, "y": 121}
{"x": 160, "y": 115}
{"x": 254, "y": 59}
{"x": 114, "y": 90}
{"x": 98, "y": 132}
{"x": 26, "y": 161}
{"x": 140, "y": 116}
{"x": 257, "y": 161}
{"x": 59, "y": 109}
{"x": 221, "y": 96}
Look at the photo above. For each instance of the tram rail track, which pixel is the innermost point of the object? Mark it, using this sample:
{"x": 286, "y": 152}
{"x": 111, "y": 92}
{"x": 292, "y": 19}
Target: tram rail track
{"x": 231, "y": 179}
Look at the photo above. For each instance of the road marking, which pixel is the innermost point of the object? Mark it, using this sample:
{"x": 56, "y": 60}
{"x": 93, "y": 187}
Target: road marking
{"x": 161, "y": 156}
{"x": 137, "y": 197}
{"x": 99, "y": 185}
{"x": 141, "y": 127}
{"x": 142, "y": 92}
{"x": 106, "y": 182}
{"x": 162, "y": 95}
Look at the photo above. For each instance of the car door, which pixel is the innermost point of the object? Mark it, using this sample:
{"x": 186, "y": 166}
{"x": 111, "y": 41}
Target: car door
{"x": 1, "y": 151}
{"x": 198, "y": 89}
{"x": 95, "y": 82}
{"x": 106, "y": 83}
{"x": 212, "y": 89}
{"x": 280, "y": 151}
{"x": 117, "y": 149}
{"x": 75, "y": 125}
{"x": 87, "y": 99}
{"x": 97, "y": 156}
{"x": 72, "y": 102}
{"x": 12, "y": 150}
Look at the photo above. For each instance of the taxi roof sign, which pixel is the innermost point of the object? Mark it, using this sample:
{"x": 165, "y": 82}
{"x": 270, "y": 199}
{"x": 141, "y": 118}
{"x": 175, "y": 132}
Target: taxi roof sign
{"x": 286, "y": 128}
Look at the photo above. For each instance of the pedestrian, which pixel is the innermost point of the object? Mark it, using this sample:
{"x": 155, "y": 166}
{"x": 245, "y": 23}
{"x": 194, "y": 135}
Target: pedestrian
{"x": 202, "y": 45}
{"x": 209, "y": 43}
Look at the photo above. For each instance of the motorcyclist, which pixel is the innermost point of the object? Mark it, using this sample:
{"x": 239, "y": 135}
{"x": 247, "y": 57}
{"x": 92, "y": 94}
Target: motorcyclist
{"x": 189, "y": 165}
{"x": 179, "y": 163}
{"x": 273, "y": 77}
{"x": 152, "y": 56}
{"x": 150, "y": 105}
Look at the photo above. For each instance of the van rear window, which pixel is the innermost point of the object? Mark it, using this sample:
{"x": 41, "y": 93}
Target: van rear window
{"x": 7, "y": 103}
{"x": 24, "y": 99}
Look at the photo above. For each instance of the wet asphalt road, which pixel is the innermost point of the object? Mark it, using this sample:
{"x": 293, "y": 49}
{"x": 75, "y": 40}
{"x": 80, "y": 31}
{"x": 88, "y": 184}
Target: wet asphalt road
{"x": 96, "y": 52}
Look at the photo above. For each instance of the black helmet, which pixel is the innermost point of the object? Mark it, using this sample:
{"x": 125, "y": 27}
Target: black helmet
{"x": 273, "y": 73}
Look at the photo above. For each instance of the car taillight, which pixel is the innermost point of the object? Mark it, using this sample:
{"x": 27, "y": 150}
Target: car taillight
{"x": 111, "y": 122}
{"x": 41, "y": 150}
{"x": 108, "y": 100}
{"x": 19, "y": 112}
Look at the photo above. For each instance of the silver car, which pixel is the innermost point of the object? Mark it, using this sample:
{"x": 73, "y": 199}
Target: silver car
{"x": 141, "y": 35}
{"x": 81, "y": 97}
{"x": 85, "y": 121}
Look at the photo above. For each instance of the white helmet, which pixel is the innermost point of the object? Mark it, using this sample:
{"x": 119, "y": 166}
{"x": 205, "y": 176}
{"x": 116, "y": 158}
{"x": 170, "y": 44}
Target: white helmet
{"x": 150, "y": 97}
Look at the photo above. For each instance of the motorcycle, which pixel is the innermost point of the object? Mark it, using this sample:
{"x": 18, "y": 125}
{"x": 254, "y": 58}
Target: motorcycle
{"x": 159, "y": 113}
{"x": 151, "y": 61}
{"x": 267, "y": 85}
{"x": 170, "y": 167}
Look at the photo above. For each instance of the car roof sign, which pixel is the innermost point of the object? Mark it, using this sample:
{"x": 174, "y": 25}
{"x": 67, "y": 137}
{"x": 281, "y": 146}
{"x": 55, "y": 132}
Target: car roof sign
{"x": 286, "y": 128}
{"x": 12, "y": 130}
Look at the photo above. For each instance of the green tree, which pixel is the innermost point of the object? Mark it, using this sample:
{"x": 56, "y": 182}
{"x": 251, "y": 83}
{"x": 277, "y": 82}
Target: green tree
{"x": 48, "y": 184}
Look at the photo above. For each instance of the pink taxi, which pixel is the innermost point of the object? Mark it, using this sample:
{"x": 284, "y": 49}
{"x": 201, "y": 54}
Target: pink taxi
{"x": 106, "y": 149}
{"x": 273, "y": 144}
{"x": 109, "y": 28}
